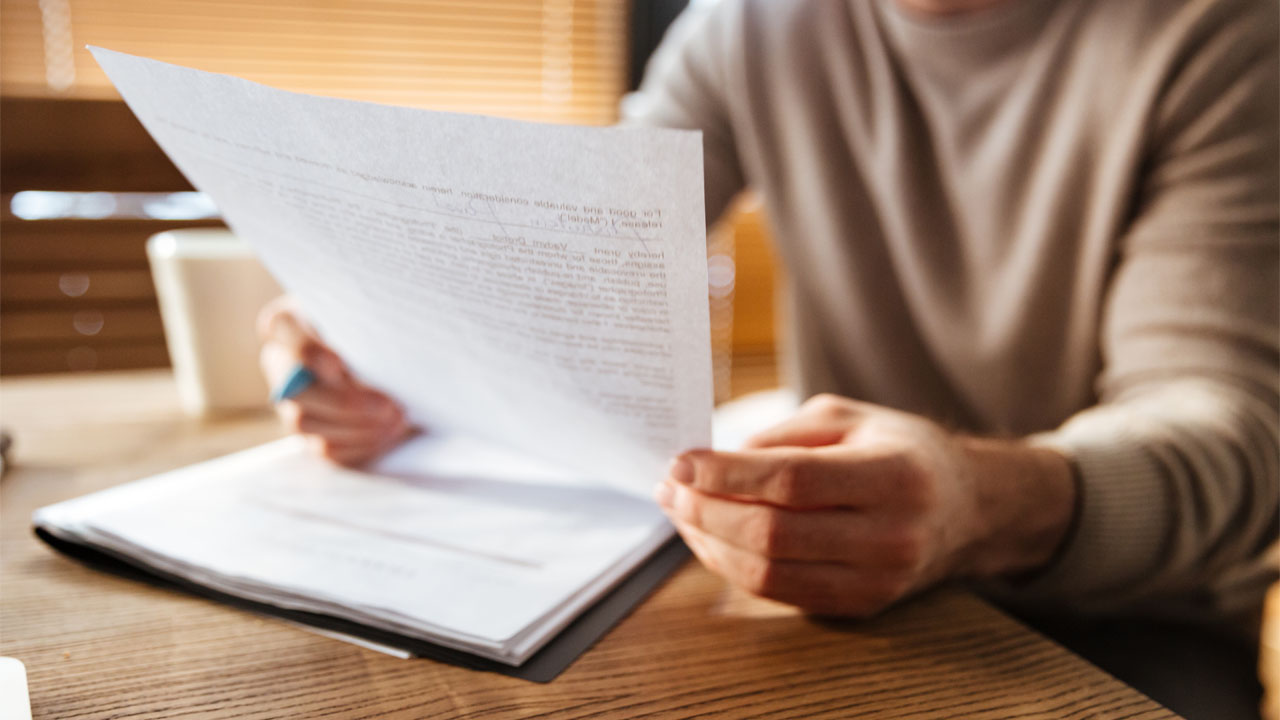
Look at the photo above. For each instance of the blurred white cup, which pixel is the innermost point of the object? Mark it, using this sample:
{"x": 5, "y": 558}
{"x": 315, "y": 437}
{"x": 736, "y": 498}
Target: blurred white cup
{"x": 211, "y": 286}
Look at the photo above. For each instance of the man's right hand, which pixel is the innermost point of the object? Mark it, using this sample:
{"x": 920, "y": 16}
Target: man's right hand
{"x": 342, "y": 419}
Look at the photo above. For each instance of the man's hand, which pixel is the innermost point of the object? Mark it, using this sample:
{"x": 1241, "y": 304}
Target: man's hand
{"x": 848, "y": 507}
{"x": 342, "y": 419}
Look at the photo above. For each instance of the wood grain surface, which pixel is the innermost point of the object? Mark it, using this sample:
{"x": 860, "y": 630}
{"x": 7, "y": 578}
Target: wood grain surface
{"x": 100, "y": 647}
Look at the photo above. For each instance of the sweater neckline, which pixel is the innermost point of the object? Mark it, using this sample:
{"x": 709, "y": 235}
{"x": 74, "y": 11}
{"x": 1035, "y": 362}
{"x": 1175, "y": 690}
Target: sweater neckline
{"x": 964, "y": 39}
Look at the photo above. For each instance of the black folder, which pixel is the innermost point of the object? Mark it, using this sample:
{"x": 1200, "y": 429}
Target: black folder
{"x": 542, "y": 667}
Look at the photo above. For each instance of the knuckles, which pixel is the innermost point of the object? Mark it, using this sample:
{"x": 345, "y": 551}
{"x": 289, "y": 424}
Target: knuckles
{"x": 688, "y": 507}
{"x": 767, "y": 534}
{"x": 764, "y": 578}
{"x": 915, "y": 485}
{"x": 789, "y": 481}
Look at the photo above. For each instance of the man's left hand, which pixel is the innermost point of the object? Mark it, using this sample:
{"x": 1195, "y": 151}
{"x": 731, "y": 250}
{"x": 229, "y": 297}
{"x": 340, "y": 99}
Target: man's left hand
{"x": 848, "y": 507}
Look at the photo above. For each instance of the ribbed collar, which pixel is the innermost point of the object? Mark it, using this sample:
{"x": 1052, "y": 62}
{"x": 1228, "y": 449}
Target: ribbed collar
{"x": 964, "y": 41}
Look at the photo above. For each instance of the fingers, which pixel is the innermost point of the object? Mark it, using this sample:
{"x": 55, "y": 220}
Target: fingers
{"x": 348, "y": 402}
{"x": 827, "y": 588}
{"x": 347, "y": 429}
{"x": 285, "y": 304}
{"x": 839, "y": 536}
{"x": 346, "y": 424}
{"x": 288, "y": 340}
{"x": 801, "y": 479}
{"x": 352, "y": 440}
{"x": 799, "y": 432}
{"x": 354, "y": 455}
{"x": 822, "y": 420}
{"x": 342, "y": 419}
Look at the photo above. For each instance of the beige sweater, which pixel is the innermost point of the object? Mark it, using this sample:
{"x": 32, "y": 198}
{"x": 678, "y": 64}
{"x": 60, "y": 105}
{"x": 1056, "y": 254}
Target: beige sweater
{"x": 1048, "y": 219}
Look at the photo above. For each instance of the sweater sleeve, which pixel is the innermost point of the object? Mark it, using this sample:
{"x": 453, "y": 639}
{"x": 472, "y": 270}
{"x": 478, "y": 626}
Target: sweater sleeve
{"x": 684, "y": 86}
{"x": 1178, "y": 462}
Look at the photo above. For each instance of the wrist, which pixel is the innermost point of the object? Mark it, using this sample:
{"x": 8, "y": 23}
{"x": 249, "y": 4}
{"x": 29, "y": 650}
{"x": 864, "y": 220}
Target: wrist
{"x": 1024, "y": 503}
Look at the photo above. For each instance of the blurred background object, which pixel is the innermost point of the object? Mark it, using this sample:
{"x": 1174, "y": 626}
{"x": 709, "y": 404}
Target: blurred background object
{"x": 1269, "y": 655}
{"x": 213, "y": 345}
{"x": 744, "y": 279}
{"x": 6, "y": 441}
{"x": 82, "y": 186}
{"x": 555, "y": 60}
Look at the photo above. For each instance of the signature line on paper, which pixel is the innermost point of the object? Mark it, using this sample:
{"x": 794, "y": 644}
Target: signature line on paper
{"x": 390, "y": 534}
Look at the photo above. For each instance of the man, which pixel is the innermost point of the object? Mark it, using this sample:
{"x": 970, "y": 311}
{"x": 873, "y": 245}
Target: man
{"x": 1034, "y": 246}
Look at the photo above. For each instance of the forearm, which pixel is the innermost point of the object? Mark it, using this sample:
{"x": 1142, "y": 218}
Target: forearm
{"x": 1178, "y": 501}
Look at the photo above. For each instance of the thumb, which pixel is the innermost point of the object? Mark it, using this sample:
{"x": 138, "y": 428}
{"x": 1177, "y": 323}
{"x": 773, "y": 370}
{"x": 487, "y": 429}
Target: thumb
{"x": 804, "y": 429}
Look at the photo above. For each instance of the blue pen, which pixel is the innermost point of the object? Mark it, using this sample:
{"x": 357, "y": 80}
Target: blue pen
{"x": 298, "y": 379}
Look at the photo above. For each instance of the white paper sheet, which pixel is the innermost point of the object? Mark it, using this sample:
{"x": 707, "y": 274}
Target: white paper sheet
{"x": 492, "y": 564}
{"x": 542, "y": 286}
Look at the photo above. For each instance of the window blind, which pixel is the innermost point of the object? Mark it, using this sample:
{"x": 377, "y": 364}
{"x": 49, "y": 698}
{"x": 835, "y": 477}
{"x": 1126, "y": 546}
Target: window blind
{"x": 552, "y": 60}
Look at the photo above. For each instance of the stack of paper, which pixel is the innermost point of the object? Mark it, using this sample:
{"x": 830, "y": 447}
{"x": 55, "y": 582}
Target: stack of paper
{"x": 484, "y": 551}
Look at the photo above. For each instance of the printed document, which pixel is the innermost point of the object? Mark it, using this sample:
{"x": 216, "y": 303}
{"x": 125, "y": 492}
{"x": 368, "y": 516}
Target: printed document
{"x": 542, "y": 286}
{"x": 447, "y": 539}
{"x": 536, "y": 297}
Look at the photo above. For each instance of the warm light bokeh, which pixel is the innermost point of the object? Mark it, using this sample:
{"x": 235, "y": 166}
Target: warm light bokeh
{"x": 554, "y": 60}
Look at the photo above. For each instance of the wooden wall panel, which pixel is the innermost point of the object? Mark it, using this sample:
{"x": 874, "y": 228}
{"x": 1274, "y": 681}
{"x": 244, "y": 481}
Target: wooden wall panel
{"x": 80, "y": 325}
{"x": 76, "y": 144}
{"x": 80, "y": 245}
{"x": 551, "y": 60}
{"x": 71, "y": 288}
{"x": 81, "y": 356}
{"x": 78, "y": 295}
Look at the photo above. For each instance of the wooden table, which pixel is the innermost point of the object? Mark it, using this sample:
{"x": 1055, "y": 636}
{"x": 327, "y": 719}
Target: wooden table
{"x": 97, "y": 646}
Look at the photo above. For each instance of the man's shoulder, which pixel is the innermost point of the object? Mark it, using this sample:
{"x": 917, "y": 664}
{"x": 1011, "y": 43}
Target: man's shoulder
{"x": 1140, "y": 23}
{"x": 1183, "y": 54}
{"x": 1187, "y": 14}
{"x": 1169, "y": 29}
